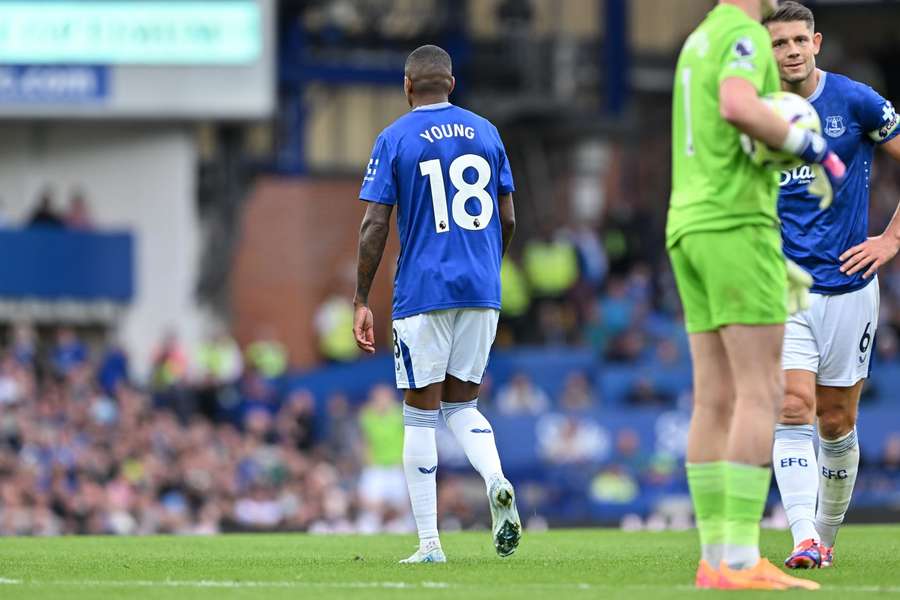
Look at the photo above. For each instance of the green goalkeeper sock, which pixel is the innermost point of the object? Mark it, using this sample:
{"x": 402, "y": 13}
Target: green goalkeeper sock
{"x": 707, "y": 484}
{"x": 746, "y": 490}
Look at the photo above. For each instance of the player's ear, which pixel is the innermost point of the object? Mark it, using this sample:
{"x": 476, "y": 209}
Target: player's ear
{"x": 452, "y": 85}
{"x": 817, "y": 42}
{"x": 408, "y": 89}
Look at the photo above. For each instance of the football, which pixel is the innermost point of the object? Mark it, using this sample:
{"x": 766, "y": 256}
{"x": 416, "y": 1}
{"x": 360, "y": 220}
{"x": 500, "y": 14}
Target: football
{"x": 795, "y": 110}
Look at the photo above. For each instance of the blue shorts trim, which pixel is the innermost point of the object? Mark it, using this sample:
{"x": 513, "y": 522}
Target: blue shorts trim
{"x": 407, "y": 364}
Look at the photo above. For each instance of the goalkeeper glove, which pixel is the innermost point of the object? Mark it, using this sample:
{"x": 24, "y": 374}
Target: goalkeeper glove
{"x": 798, "y": 284}
{"x": 828, "y": 168}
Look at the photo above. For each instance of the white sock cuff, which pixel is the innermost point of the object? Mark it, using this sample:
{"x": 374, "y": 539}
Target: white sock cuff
{"x": 451, "y": 408}
{"x": 840, "y": 446}
{"x": 417, "y": 417}
{"x": 794, "y": 432}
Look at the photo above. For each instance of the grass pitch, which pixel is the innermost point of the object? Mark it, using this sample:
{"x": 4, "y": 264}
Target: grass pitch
{"x": 552, "y": 565}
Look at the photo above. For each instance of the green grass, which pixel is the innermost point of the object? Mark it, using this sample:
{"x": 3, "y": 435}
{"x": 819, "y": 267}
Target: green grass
{"x": 556, "y": 565}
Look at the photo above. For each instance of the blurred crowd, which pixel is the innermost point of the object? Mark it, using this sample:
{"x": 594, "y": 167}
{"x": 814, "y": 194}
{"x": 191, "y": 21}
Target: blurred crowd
{"x": 609, "y": 286}
{"x": 74, "y": 216}
{"x": 84, "y": 450}
{"x": 216, "y": 443}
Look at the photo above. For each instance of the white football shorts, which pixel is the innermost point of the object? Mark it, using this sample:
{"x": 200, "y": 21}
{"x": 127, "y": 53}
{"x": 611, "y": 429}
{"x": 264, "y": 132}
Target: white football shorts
{"x": 429, "y": 346}
{"x": 835, "y": 337}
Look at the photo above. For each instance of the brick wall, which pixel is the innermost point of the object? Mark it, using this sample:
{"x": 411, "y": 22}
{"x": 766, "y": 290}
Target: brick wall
{"x": 298, "y": 246}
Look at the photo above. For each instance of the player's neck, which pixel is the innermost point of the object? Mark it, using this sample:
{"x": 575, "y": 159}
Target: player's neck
{"x": 751, "y": 7}
{"x": 805, "y": 88}
{"x": 429, "y": 99}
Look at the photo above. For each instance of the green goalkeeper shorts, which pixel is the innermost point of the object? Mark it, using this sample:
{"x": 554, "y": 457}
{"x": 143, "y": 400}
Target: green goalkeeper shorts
{"x": 731, "y": 277}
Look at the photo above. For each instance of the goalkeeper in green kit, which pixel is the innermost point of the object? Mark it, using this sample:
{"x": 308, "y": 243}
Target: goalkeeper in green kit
{"x": 724, "y": 242}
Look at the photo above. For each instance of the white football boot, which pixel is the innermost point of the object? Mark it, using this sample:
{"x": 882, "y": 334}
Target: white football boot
{"x": 431, "y": 552}
{"x": 507, "y": 527}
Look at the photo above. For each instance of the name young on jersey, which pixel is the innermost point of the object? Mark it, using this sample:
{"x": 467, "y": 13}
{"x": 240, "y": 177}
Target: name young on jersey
{"x": 448, "y": 130}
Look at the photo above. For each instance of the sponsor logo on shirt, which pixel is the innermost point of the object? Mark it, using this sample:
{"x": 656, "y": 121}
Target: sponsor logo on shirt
{"x": 891, "y": 119}
{"x": 799, "y": 175}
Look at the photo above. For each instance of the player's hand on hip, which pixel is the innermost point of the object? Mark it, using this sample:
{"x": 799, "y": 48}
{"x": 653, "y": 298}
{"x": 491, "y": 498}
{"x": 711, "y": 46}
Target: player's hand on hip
{"x": 798, "y": 284}
{"x": 364, "y": 328}
{"x": 872, "y": 253}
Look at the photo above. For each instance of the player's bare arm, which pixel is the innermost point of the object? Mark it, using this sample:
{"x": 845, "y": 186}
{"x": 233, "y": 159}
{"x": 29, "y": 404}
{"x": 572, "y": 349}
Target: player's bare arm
{"x": 507, "y": 219}
{"x": 739, "y": 104}
{"x": 877, "y": 250}
{"x": 373, "y": 235}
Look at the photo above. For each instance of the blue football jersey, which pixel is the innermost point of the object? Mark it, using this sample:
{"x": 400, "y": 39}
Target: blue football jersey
{"x": 854, "y": 119}
{"x": 444, "y": 167}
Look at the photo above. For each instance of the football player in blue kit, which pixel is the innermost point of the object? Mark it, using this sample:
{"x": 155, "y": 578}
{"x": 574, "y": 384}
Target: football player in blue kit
{"x": 446, "y": 171}
{"x": 827, "y": 348}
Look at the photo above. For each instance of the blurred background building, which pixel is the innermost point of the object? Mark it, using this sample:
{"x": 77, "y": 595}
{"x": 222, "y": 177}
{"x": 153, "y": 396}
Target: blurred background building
{"x": 178, "y": 228}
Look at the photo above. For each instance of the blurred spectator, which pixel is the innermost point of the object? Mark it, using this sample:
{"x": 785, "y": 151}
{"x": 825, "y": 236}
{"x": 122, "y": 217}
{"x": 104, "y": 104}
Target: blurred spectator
{"x": 113, "y": 369}
{"x": 644, "y": 393}
{"x": 334, "y": 328}
{"x": 890, "y": 458}
{"x": 520, "y": 396}
{"x": 219, "y": 360}
{"x": 627, "y": 347}
{"x": 577, "y": 394}
{"x": 592, "y": 261}
{"x": 295, "y": 421}
{"x": 259, "y": 509}
{"x": 382, "y": 485}
{"x": 69, "y": 353}
{"x": 256, "y": 395}
{"x": 610, "y": 317}
{"x": 551, "y": 265}
{"x": 566, "y": 439}
{"x": 45, "y": 214}
{"x": 266, "y": 354}
{"x": 343, "y": 432}
{"x": 516, "y": 300}
{"x": 78, "y": 215}
{"x": 614, "y": 485}
{"x": 667, "y": 353}
{"x": 592, "y": 266}
{"x": 886, "y": 345}
{"x": 10, "y": 386}
{"x": 24, "y": 348}
{"x": 169, "y": 362}
{"x": 168, "y": 377}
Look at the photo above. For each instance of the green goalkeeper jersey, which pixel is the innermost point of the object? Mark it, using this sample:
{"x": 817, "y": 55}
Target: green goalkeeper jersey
{"x": 715, "y": 186}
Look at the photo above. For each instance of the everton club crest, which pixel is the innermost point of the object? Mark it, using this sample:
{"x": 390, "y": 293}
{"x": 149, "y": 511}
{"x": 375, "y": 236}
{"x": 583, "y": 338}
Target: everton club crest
{"x": 834, "y": 126}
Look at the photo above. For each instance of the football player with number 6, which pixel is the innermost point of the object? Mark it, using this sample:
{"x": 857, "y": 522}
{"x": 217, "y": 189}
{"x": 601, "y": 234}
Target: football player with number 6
{"x": 446, "y": 170}
{"x": 828, "y": 347}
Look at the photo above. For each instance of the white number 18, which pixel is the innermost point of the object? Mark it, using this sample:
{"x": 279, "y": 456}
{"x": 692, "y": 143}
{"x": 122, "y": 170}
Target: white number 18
{"x": 465, "y": 190}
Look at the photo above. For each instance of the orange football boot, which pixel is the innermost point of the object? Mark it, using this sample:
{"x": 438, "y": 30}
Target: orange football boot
{"x": 763, "y": 576}
{"x": 707, "y": 577}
